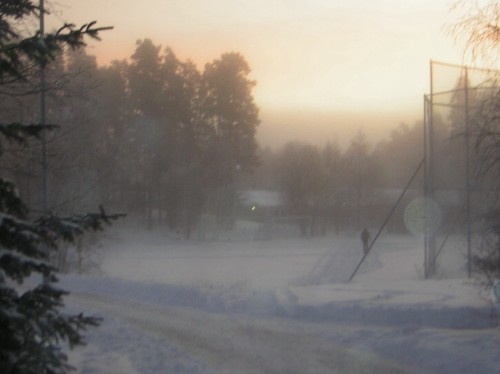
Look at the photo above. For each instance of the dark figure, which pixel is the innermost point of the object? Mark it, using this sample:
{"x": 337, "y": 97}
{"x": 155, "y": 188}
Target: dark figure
{"x": 365, "y": 238}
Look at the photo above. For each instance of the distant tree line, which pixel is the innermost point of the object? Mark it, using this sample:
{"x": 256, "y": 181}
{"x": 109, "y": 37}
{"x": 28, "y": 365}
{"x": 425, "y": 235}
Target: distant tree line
{"x": 165, "y": 142}
{"x": 153, "y": 136}
{"x": 356, "y": 187}
{"x": 171, "y": 144}
{"x": 341, "y": 189}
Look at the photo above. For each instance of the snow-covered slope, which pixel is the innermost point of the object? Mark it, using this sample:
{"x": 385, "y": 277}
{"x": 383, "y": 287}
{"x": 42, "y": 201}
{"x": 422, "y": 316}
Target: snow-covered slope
{"x": 388, "y": 315}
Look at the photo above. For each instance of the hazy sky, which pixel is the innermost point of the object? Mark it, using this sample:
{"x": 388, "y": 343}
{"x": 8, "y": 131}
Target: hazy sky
{"x": 324, "y": 68}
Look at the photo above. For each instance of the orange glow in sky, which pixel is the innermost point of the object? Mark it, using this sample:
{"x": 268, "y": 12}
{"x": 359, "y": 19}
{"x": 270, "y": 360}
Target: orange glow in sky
{"x": 353, "y": 64}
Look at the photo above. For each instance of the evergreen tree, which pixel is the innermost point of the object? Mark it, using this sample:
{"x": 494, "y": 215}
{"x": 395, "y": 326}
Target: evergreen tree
{"x": 114, "y": 145}
{"x": 231, "y": 118}
{"x": 32, "y": 324}
{"x": 302, "y": 181}
{"x": 361, "y": 177}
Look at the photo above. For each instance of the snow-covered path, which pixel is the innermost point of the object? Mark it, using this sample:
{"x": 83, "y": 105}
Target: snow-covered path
{"x": 245, "y": 344}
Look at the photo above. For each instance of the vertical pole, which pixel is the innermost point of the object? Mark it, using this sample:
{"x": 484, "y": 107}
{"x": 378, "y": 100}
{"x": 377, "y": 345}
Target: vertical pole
{"x": 467, "y": 174}
{"x": 42, "y": 114}
{"x": 426, "y": 171}
{"x": 44, "y": 135}
{"x": 429, "y": 180}
{"x": 358, "y": 190}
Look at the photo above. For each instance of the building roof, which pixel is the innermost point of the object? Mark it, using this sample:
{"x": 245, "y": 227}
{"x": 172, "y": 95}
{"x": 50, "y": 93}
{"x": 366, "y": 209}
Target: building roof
{"x": 262, "y": 198}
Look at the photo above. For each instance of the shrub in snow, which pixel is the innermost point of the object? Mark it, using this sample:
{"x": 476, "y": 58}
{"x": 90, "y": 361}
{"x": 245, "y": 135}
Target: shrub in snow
{"x": 495, "y": 293}
{"x": 487, "y": 261}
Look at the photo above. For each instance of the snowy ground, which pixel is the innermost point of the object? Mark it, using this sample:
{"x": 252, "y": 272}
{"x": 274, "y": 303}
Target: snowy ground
{"x": 280, "y": 305}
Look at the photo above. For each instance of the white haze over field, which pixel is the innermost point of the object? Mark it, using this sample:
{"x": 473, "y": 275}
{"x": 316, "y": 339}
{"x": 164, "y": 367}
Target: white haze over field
{"x": 239, "y": 303}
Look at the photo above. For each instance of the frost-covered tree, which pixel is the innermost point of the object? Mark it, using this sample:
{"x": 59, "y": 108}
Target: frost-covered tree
{"x": 32, "y": 323}
{"x": 478, "y": 31}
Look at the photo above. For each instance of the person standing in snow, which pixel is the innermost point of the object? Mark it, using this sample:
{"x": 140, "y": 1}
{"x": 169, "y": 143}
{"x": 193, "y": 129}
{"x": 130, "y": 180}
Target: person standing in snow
{"x": 365, "y": 238}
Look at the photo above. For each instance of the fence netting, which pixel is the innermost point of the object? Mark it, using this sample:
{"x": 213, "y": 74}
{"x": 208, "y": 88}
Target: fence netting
{"x": 457, "y": 194}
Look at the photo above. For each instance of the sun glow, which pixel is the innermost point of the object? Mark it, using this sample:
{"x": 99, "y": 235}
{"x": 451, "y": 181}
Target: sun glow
{"x": 317, "y": 56}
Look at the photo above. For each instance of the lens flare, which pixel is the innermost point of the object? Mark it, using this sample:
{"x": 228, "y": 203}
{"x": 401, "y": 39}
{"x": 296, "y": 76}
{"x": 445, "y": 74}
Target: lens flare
{"x": 422, "y": 216}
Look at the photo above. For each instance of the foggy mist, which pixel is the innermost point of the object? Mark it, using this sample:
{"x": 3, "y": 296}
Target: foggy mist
{"x": 292, "y": 188}
{"x": 319, "y": 126}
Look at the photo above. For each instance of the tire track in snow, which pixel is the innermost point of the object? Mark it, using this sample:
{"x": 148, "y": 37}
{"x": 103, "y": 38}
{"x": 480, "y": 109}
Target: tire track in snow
{"x": 243, "y": 344}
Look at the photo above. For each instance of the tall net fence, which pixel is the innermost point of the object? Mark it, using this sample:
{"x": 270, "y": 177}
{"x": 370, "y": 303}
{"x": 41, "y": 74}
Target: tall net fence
{"x": 457, "y": 195}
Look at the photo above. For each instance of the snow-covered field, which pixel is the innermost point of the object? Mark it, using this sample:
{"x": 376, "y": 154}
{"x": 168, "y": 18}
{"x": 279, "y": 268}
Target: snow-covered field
{"x": 238, "y": 305}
